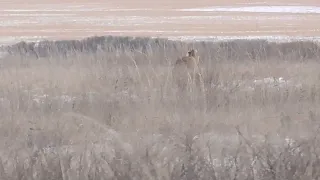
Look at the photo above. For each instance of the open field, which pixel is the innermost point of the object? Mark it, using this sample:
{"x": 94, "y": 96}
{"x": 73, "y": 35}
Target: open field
{"x": 74, "y": 20}
{"x": 109, "y": 108}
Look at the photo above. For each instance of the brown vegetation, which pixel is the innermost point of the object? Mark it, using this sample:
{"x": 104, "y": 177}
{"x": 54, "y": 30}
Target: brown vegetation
{"x": 105, "y": 108}
{"x": 235, "y": 50}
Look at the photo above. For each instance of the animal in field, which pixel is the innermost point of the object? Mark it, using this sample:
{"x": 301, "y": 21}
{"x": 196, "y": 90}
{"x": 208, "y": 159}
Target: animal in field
{"x": 190, "y": 60}
{"x": 186, "y": 70}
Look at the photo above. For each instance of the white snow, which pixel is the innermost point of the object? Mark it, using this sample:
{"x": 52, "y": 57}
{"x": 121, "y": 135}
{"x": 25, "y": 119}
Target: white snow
{"x": 9, "y": 39}
{"x": 40, "y": 99}
{"x": 56, "y": 14}
{"x": 272, "y": 83}
{"x": 105, "y": 9}
{"x": 277, "y": 38}
{"x": 34, "y": 15}
{"x": 44, "y": 19}
{"x": 259, "y": 9}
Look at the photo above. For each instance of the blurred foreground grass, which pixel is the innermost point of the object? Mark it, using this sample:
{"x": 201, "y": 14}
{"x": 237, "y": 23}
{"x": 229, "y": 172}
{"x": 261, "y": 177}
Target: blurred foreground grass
{"x": 112, "y": 111}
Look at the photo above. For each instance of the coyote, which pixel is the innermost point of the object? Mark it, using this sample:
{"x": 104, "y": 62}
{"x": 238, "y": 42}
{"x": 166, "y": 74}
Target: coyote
{"x": 186, "y": 70}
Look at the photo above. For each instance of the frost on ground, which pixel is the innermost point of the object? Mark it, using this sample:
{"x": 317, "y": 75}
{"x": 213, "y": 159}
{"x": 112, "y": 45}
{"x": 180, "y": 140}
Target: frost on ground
{"x": 260, "y": 9}
{"x": 74, "y": 21}
{"x": 271, "y": 83}
{"x": 268, "y": 83}
{"x": 275, "y": 38}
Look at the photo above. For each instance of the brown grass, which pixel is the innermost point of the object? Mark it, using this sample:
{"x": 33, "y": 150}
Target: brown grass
{"x": 112, "y": 112}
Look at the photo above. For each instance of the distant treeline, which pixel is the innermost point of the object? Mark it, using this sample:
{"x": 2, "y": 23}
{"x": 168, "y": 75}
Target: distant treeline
{"x": 223, "y": 50}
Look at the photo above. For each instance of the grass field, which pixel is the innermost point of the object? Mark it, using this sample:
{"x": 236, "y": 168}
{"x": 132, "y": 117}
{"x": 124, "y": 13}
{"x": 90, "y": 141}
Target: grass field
{"x": 108, "y": 107}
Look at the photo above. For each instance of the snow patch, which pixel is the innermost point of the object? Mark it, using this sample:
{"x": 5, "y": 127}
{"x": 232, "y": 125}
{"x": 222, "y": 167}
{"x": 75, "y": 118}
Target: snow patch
{"x": 106, "y": 9}
{"x": 248, "y": 86}
{"x": 271, "y": 81}
{"x": 259, "y": 9}
{"x": 8, "y": 40}
{"x": 280, "y": 38}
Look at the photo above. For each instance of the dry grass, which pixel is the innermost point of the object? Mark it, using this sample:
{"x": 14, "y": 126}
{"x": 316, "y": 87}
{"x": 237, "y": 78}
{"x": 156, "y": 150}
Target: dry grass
{"x": 113, "y": 112}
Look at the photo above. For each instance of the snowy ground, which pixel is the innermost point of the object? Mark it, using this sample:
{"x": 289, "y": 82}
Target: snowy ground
{"x": 190, "y": 20}
{"x": 260, "y": 9}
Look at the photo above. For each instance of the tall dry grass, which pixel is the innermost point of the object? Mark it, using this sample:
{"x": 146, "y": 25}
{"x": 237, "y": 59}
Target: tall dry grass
{"x": 83, "y": 111}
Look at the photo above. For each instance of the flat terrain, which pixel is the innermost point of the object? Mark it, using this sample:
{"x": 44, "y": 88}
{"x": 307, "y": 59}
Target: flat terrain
{"x": 111, "y": 113}
{"x": 110, "y": 108}
{"x": 68, "y": 20}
